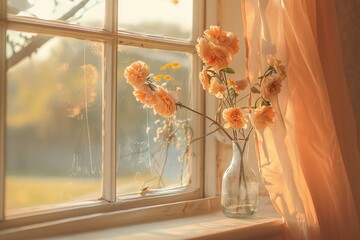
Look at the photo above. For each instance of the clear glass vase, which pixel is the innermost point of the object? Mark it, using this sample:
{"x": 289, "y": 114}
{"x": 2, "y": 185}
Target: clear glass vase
{"x": 240, "y": 185}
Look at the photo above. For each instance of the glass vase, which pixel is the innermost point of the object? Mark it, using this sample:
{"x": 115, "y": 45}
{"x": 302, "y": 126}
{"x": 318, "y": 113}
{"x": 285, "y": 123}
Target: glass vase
{"x": 240, "y": 185}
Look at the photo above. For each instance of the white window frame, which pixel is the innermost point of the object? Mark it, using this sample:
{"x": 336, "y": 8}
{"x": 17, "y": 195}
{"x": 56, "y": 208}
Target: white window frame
{"x": 112, "y": 38}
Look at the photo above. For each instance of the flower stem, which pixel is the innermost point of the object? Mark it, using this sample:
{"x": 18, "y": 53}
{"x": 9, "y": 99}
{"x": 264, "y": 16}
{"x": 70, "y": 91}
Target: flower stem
{"x": 210, "y": 119}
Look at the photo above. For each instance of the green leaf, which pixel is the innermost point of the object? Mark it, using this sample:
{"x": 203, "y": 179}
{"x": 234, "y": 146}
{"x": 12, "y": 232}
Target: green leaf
{"x": 255, "y": 90}
{"x": 228, "y": 70}
{"x": 209, "y": 77}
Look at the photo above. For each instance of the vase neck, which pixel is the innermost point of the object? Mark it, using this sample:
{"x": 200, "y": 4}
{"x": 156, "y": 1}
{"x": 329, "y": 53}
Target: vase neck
{"x": 240, "y": 151}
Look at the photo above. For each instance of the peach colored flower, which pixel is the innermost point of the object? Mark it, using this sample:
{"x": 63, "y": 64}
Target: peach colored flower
{"x": 281, "y": 70}
{"x": 204, "y": 79}
{"x": 271, "y": 86}
{"x": 224, "y": 39}
{"x": 215, "y": 35}
{"x": 216, "y": 88}
{"x": 145, "y": 96}
{"x": 232, "y": 43}
{"x": 240, "y": 85}
{"x": 234, "y": 118}
{"x": 165, "y": 104}
{"x": 212, "y": 55}
{"x": 263, "y": 117}
{"x": 277, "y": 65}
{"x": 136, "y": 74}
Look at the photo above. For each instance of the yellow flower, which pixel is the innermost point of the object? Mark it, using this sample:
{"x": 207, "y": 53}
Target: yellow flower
{"x": 230, "y": 82}
{"x": 164, "y": 67}
{"x": 158, "y": 77}
{"x": 175, "y": 65}
{"x": 167, "y": 77}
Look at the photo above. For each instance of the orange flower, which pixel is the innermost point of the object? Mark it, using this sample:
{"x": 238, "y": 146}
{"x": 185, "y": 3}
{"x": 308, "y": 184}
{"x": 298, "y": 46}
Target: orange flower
{"x": 212, "y": 55}
{"x": 136, "y": 74}
{"x": 165, "y": 104}
{"x": 239, "y": 85}
{"x": 228, "y": 40}
{"x": 263, "y": 117}
{"x": 204, "y": 79}
{"x": 217, "y": 89}
{"x": 234, "y": 118}
{"x": 271, "y": 86}
{"x": 277, "y": 65}
{"x": 145, "y": 96}
{"x": 232, "y": 43}
{"x": 281, "y": 70}
{"x": 215, "y": 35}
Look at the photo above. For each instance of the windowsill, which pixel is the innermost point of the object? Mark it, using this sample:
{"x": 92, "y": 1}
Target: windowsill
{"x": 207, "y": 226}
{"x": 198, "y": 219}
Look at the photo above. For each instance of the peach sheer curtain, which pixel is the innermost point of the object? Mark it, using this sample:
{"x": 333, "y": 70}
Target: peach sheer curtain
{"x": 305, "y": 155}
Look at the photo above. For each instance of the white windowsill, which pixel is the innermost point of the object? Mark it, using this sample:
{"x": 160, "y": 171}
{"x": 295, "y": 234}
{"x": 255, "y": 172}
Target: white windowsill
{"x": 198, "y": 219}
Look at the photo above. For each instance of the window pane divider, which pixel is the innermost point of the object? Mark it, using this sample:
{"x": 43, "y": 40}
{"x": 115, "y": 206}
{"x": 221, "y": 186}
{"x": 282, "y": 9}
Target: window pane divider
{"x": 148, "y": 41}
{"x": 109, "y": 106}
{"x": 40, "y": 26}
{"x": 2, "y": 118}
{"x": 3, "y": 10}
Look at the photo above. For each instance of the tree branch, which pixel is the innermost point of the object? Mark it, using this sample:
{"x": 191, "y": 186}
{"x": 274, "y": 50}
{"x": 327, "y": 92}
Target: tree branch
{"x": 38, "y": 41}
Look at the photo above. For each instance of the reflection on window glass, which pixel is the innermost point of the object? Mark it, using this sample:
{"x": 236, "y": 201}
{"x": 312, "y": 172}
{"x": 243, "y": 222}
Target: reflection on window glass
{"x": 54, "y": 120}
{"x": 84, "y": 12}
{"x": 150, "y": 148}
{"x": 166, "y": 18}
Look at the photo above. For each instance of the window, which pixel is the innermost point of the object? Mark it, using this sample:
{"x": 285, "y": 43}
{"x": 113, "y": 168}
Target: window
{"x": 72, "y": 132}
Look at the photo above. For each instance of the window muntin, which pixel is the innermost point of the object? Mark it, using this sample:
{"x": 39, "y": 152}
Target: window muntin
{"x": 150, "y": 148}
{"x": 164, "y": 18}
{"x": 83, "y": 12}
{"x": 54, "y": 122}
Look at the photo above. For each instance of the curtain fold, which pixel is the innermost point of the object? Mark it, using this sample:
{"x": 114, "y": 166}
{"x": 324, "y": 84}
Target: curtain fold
{"x": 305, "y": 154}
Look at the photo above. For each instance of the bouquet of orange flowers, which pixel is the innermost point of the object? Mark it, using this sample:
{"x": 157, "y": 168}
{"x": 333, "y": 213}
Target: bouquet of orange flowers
{"x": 235, "y": 116}
{"x": 216, "y": 49}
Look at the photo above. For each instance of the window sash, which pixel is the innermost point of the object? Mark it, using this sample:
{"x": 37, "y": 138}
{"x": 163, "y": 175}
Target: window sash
{"x": 111, "y": 39}
{"x": 2, "y": 107}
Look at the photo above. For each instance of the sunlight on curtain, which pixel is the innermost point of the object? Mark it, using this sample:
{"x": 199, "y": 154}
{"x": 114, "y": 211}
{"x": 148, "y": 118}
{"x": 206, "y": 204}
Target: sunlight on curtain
{"x": 301, "y": 159}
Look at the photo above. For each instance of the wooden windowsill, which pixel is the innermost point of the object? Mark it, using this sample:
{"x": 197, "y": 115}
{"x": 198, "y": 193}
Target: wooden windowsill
{"x": 197, "y": 219}
{"x": 207, "y": 226}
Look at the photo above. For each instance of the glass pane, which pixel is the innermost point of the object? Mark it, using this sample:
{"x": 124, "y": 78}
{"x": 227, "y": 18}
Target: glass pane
{"x": 151, "y": 148}
{"x": 54, "y": 120}
{"x": 83, "y": 12}
{"x": 166, "y": 18}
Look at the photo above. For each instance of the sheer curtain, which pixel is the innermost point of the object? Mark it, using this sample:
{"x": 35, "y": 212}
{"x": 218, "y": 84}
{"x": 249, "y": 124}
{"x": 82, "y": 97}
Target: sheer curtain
{"x": 308, "y": 158}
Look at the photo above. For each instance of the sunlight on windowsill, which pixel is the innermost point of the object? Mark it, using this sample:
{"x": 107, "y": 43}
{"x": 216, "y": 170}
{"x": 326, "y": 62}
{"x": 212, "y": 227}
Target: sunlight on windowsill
{"x": 266, "y": 224}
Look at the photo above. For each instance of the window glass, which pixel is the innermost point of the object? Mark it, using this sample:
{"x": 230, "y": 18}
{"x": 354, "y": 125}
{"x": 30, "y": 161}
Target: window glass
{"x": 54, "y": 120}
{"x": 84, "y": 12}
{"x": 151, "y": 148}
{"x": 166, "y": 18}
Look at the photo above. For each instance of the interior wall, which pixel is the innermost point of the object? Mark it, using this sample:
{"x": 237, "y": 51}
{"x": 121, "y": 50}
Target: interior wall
{"x": 230, "y": 19}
